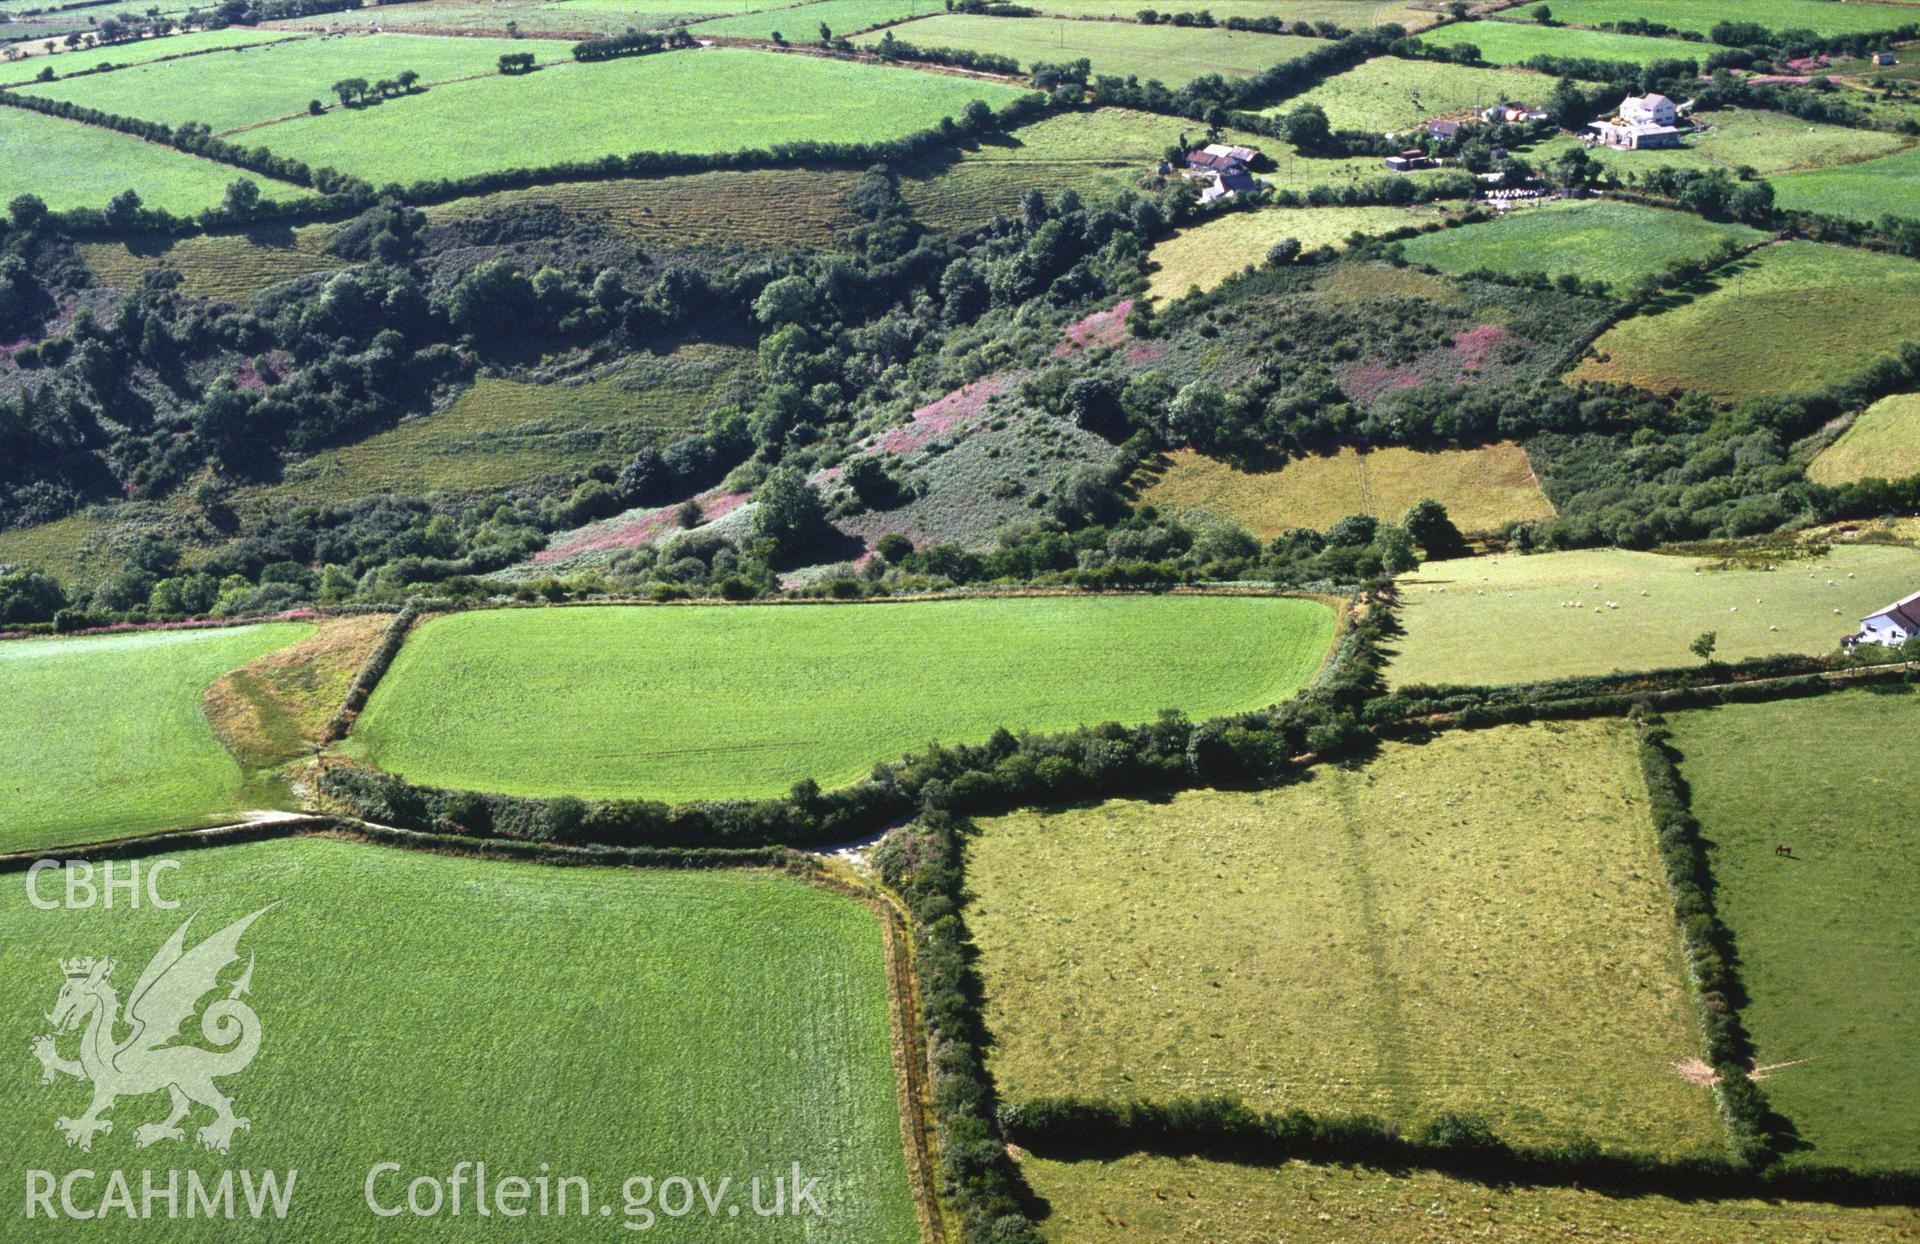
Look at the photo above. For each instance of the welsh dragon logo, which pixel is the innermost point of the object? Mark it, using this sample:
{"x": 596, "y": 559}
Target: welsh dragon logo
{"x": 146, "y": 1060}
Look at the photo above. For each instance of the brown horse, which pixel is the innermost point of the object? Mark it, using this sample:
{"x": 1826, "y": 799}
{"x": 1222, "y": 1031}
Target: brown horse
{"x": 1785, "y": 849}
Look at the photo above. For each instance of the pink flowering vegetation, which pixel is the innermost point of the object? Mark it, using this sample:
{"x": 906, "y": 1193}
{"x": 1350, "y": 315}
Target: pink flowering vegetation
{"x": 1474, "y": 353}
{"x": 633, "y": 528}
{"x": 1102, "y": 328}
{"x": 996, "y": 476}
{"x": 953, "y": 412}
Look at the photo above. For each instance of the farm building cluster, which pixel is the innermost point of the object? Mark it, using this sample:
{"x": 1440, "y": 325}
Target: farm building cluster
{"x": 1220, "y": 170}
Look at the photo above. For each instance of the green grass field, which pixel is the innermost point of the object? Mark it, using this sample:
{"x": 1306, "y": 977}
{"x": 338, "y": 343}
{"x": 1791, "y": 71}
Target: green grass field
{"x": 1883, "y": 441}
{"x": 801, "y": 23}
{"x": 699, "y": 703}
{"x": 227, "y": 90}
{"x": 1172, "y": 54}
{"x": 1819, "y": 16}
{"x": 1772, "y": 143}
{"x": 1503, "y": 618}
{"x": 500, "y": 433}
{"x": 716, "y": 99}
{"x": 1388, "y": 93}
{"x": 1477, "y": 925}
{"x": 1216, "y": 249}
{"x": 226, "y": 266}
{"x": 1481, "y": 488}
{"x": 68, "y": 165}
{"x": 105, "y": 736}
{"x": 1513, "y": 43}
{"x": 1617, "y": 243}
{"x": 1148, "y": 1200}
{"x": 757, "y": 209}
{"x": 1353, "y": 14}
{"x": 1787, "y": 319}
{"x": 1826, "y": 939}
{"x": 427, "y": 1010}
{"x": 138, "y": 52}
{"x": 1868, "y": 190}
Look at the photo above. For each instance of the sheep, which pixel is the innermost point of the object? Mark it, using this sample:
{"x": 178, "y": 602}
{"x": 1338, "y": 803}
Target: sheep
{"x": 1735, "y": 609}
{"x": 1773, "y": 628}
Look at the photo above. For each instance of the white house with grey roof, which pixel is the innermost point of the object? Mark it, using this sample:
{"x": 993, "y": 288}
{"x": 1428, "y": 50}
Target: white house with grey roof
{"x": 1894, "y": 625}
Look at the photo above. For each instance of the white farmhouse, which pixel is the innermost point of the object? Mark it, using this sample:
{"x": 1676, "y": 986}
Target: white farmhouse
{"x": 1643, "y": 121}
{"x": 1893, "y": 625}
{"x": 1648, "y": 110}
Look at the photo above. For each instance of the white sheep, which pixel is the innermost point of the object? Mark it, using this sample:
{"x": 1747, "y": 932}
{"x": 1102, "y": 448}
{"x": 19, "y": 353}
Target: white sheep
{"x": 1735, "y": 609}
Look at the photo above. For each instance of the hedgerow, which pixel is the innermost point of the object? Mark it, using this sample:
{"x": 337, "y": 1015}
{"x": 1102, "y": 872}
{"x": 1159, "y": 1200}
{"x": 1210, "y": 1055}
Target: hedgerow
{"x": 1224, "y": 1129}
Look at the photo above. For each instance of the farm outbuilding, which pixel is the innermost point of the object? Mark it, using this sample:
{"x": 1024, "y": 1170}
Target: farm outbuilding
{"x": 1894, "y": 625}
{"x": 1221, "y": 158}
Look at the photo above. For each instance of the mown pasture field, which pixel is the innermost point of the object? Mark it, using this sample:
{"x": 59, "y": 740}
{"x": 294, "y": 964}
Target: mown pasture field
{"x": 1388, "y": 94}
{"x": 428, "y": 1010}
{"x": 105, "y": 736}
{"x": 1864, "y": 190}
{"x": 1096, "y": 153}
{"x": 245, "y": 86}
{"x": 1152, "y": 1200}
{"x": 1214, "y": 250}
{"x": 1482, "y": 488}
{"x": 1786, "y": 319}
{"x": 1771, "y": 143}
{"x": 1617, "y": 243}
{"x": 729, "y": 211}
{"x": 1352, "y": 14}
{"x": 1515, "y": 43}
{"x": 1474, "y": 925}
{"x": 713, "y": 702}
{"x": 801, "y": 23}
{"x": 1827, "y": 937}
{"x": 500, "y": 433}
{"x": 1701, "y": 16}
{"x": 15, "y": 73}
{"x": 71, "y": 165}
{"x": 1506, "y": 618}
{"x": 710, "y": 100}
{"x": 1883, "y": 441}
{"x": 230, "y": 267}
{"x": 1174, "y": 55}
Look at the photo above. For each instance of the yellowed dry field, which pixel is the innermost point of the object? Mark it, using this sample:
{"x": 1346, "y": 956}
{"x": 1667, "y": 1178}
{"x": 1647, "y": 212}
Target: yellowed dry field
{"x": 1147, "y": 1200}
{"x": 1883, "y": 441}
{"x": 1478, "y": 924}
{"x": 1208, "y": 254}
{"x": 1481, "y": 488}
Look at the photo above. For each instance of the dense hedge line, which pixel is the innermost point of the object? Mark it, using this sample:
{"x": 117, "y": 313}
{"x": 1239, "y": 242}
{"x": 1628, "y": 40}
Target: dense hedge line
{"x": 1005, "y": 771}
{"x": 1476, "y": 716}
{"x": 1425, "y": 699}
{"x": 1463, "y": 1145}
{"x": 379, "y": 661}
{"x": 632, "y": 43}
{"x": 1710, "y": 953}
{"x": 890, "y": 48}
{"x": 922, "y": 864}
